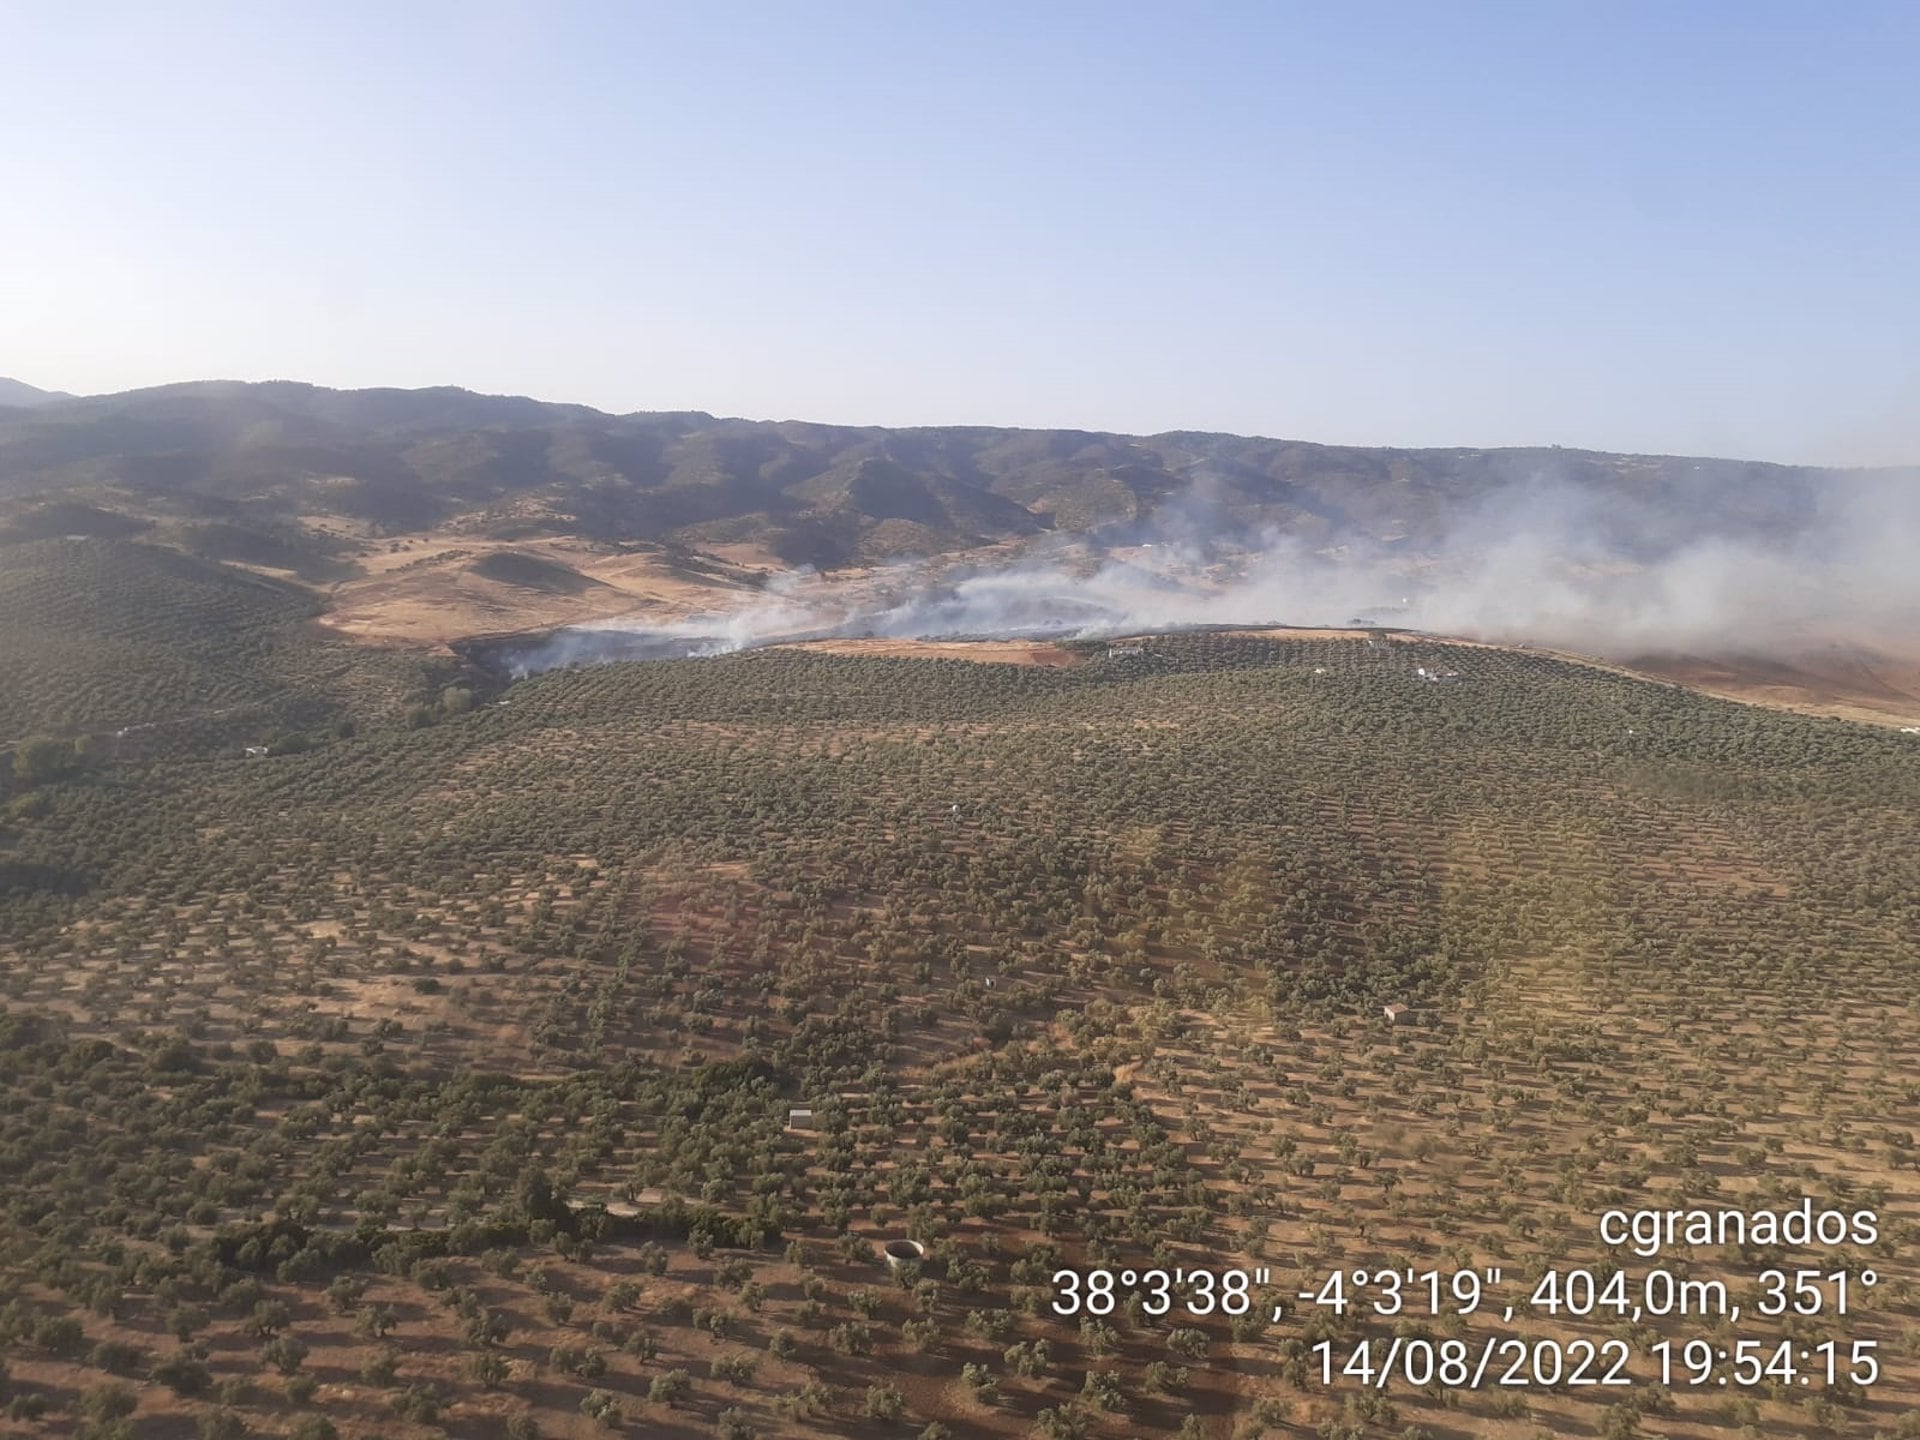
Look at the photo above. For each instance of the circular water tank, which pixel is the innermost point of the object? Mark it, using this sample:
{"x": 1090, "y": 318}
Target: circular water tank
{"x": 903, "y": 1252}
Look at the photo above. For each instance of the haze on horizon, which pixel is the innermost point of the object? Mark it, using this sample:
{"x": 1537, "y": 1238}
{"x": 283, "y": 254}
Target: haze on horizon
{"x": 1640, "y": 228}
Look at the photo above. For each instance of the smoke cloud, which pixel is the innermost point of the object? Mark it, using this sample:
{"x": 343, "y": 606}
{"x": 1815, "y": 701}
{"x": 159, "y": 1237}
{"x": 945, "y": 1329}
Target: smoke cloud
{"x": 1544, "y": 562}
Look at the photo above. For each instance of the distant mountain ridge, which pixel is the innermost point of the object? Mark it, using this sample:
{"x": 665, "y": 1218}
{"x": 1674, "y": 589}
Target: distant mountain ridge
{"x": 400, "y": 461}
{"x": 19, "y": 393}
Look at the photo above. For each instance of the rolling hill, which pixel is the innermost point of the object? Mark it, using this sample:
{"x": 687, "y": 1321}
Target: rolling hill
{"x": 439, "y": 1081}
{"x": 423, "y": 519}
{"x": 19, "y": 393}
{"x": 99, "y": 636}
{"x": 396, "y": 461}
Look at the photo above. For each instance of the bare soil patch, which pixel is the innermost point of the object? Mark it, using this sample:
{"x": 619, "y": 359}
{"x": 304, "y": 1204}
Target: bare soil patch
{"x": 984, "y": 652}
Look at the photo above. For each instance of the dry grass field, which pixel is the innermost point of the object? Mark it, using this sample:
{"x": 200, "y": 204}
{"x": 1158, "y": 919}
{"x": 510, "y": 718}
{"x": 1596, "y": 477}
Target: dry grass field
{"x": 433, "y": 588}
{"x": 1870, "y": 678}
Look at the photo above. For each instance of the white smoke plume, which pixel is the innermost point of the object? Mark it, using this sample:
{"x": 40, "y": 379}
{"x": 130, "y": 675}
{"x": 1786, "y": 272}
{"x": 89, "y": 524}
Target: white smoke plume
{"x": 1544, "y": 562}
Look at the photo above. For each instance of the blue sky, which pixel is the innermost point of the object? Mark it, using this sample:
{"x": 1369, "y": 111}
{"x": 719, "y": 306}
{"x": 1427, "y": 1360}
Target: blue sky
{"x": 1671, "y": 227}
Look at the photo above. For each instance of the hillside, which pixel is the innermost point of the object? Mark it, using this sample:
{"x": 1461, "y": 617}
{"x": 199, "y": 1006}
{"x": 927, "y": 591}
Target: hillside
{"x": 147, "y": 649}
{"x": 392, "y": 1047}
{"x": 437, "y": 1082}
{"x": 496, "y": 467}
{"x": 19, "y": 393}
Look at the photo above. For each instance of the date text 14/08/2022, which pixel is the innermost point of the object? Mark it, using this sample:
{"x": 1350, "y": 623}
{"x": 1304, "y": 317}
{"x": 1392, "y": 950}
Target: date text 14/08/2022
{"x": 1508, "y": 1361}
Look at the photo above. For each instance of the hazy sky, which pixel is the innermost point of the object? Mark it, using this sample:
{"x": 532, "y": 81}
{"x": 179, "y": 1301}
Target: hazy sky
{"x": 1679, "y": 226}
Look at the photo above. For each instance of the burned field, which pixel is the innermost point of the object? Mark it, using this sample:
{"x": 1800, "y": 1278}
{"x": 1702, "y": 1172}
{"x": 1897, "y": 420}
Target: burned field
{"x": 441, "y": 1079}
